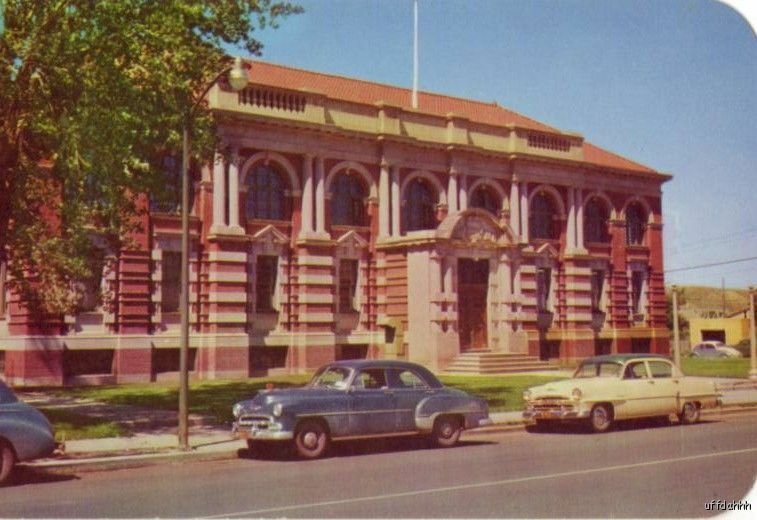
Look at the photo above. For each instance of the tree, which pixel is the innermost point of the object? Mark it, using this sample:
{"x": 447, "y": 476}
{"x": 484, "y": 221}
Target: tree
{"x": 92, "y": 95}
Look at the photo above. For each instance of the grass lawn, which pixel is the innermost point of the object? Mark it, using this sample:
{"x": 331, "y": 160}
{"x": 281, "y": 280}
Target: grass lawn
{"x": 716, "y": 367}
{"x": 503, "y": 393}
{"x": 74, "y": 426}
{"x": 215, "y": 398}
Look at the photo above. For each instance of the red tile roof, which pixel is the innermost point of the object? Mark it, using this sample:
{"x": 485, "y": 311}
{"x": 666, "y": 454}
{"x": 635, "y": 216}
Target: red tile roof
{"x": 367, "y": 92}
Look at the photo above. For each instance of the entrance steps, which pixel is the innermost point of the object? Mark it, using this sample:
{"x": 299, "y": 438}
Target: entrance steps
{"x": 488, "y": 362}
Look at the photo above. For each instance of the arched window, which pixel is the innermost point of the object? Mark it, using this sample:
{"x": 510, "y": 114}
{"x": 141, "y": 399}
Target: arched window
{"x": 595, "y": 221}
{"x": 542, "y": 218}
{"x": 484, "y": 197}
{"x": 348, "y": 201}
{"x": 420, "y": 206}
{"x": 265, "y": 194}
{"x": 636, "y": 219}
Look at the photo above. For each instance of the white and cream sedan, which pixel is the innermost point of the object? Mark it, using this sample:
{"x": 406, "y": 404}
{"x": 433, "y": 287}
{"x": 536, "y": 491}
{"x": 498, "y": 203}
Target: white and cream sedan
{"x": 605, "y": 389}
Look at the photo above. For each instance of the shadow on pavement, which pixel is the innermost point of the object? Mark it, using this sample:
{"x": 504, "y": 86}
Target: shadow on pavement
{"x": 626, "y": 425}
{"x": 24, "y": 475}
{"x": 285, "y": 452}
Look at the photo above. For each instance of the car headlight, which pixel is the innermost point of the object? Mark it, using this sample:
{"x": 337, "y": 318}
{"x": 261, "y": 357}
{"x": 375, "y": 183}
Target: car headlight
{"x": 526, "y": 395}
{"x": 237, "y": 410}
{"x": 577, "y": 394}
{"x": 278, "y": 409}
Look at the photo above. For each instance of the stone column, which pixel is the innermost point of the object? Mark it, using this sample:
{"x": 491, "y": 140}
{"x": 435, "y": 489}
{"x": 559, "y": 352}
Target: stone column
{"x": 452, "y": 191}
{"x": 320, "y": 197}
{"x": 515, "y": 208}
{"x": 463, "y": 198}
{"x": 524, "y": 231}
{"x": 571, "y": 228}
{"x": 307, "y": 195}
{"x": 580, "y": 219}
{"x": 219, "y": 191}
{"x": 384, "y": 200}
{"x": 395, "y": 201}
{"x": 234, "y": 192}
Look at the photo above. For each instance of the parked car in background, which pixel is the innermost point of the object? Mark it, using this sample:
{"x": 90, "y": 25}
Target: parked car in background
{"x": 25, "y": 433}
{"x": 605, "y": 389}
{"x": 359, "y": 399}
{"x": 716, "y": 349}
{"x": 744, "y": 348}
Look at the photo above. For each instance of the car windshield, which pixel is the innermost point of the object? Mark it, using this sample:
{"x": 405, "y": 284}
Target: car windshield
{"x": 331, "y": 377}
{"x": 598, "y": 369}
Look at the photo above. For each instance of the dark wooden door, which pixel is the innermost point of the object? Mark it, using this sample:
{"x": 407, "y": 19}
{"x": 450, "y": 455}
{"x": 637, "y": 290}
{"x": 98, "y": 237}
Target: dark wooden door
{"x": 473, "y": 281}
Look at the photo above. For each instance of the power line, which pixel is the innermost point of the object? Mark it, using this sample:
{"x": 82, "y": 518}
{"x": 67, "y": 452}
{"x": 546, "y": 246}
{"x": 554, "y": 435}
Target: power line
{"x": 677, "y": 248}
{"x": 702, "y": 266}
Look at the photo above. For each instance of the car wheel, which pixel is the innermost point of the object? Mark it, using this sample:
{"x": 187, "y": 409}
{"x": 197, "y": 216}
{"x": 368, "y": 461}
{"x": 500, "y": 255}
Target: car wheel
{"x": 689, "y": 414}
{"x": 600, "y": 418}
{"x": 311, "y": 439}
{"x": 7, "y": 461}
{"x": 446, "y": 431}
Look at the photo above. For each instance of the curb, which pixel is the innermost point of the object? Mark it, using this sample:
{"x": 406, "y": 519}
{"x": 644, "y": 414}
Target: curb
{"x": 98, "y": 463}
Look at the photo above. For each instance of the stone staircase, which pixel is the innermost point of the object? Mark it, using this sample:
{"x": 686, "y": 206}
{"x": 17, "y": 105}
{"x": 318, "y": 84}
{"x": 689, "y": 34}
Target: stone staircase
{"x": 488, "y": 362}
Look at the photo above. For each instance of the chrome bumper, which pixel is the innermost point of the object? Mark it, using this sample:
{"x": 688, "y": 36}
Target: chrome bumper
{"x": 258, "y": 433}
{"x": 554, "y": 414}
{"x": 485, "y": 422}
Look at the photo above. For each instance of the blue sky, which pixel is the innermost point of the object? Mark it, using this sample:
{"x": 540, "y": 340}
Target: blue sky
{"x": 668, "y": 83}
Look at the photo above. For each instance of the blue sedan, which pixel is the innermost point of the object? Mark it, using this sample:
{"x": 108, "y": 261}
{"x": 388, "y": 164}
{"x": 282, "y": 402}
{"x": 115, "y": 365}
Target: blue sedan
{"x": 25, "y": 433}
{"x": 359, "y": 399}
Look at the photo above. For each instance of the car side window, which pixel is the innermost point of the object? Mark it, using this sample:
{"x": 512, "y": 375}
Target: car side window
{"x": 371, "y": 379}
{"x": 635, "y": 371}
{"x": 408, "y": 379}
{"x": 660, "y": 369}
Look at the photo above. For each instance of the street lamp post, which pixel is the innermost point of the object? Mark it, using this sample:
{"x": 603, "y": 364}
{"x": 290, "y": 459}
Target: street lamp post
{"x": 237, "y": 78}
{"x": 752, "y": 336}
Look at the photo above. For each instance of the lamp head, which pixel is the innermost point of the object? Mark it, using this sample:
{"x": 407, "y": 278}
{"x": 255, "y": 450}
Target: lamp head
{"x": 238, "y": 75}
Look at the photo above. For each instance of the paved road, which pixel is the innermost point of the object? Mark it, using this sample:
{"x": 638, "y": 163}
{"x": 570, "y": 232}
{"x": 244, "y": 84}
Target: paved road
{"x": 636, "y": 471}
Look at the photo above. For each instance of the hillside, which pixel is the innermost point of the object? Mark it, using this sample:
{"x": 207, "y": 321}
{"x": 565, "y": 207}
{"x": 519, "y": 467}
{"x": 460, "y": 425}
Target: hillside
{"x": 699, "y": 302}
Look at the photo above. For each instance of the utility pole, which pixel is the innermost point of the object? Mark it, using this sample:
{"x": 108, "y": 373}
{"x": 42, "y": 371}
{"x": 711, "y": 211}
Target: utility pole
{"x": 752, "y": 336}
{"x": 676, "y": 343}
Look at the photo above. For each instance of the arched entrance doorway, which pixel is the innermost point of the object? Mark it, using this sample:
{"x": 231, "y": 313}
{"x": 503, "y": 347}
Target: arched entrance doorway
{"x": 473, "y": 281}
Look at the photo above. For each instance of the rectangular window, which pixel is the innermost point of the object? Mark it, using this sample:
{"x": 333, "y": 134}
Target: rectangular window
{"x": 265, "y": 283}
{"x": 348, "y": 271}
{"x": 170, "y": 275}
{"x": 90, "y": 288}
{"x": 543, "y": 283}
{"x": 597, "y": 286}
{"x": 637, "y": 286}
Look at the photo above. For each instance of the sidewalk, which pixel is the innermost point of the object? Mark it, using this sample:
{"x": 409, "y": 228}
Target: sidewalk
{"x": 155, "y": 439}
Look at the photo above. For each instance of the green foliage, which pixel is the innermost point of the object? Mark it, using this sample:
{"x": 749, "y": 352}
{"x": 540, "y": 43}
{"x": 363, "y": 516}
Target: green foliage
{"x": 93, "y": 94}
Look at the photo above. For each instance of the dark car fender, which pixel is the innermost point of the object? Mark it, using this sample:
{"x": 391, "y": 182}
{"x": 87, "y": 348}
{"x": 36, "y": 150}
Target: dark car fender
{"x": 27, "y": 430}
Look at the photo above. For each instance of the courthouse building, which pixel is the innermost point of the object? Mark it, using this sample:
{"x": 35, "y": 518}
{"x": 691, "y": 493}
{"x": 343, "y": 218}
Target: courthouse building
{"x": 337, "y": 221}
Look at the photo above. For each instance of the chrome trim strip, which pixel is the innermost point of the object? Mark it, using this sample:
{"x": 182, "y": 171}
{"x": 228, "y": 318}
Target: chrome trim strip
{"x": 377, "y": 435}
